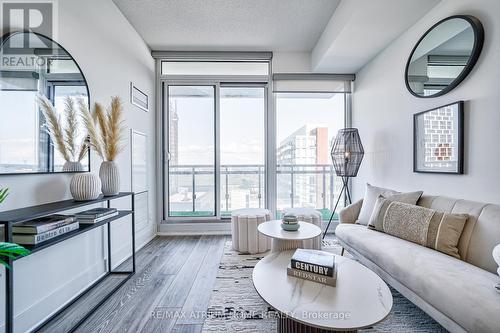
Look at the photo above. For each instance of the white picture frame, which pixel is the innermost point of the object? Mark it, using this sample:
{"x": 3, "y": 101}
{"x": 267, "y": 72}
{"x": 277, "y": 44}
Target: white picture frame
{"x": 139, "y": 161}
{"x": 139, "y": 98}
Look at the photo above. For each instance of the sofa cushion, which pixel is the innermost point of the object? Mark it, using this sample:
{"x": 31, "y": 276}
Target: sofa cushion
{"x": 382, "y": 203}
{"x": 481, "y": 232}
{"x": 408, "y": 222}
{"x": 445, "y": 231}
{"x": 450, "y": 285}
{"x": 371, "y": 195}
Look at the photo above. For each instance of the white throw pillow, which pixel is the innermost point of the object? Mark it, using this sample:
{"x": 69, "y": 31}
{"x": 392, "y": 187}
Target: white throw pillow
{"x": 371, "y": 195}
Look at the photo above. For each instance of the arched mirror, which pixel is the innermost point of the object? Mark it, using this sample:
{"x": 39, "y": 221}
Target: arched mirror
{"x": 444, "y": 56}
{"x": 32, "y": 66}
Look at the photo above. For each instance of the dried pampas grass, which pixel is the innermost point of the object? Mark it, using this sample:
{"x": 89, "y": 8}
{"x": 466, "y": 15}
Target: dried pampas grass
{"x": 64, "y": 135}
{"x": 105, "y": 128}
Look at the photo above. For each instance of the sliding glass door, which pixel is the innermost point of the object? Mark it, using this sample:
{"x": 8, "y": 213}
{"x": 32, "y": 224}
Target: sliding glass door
{"x": 191, "y": 156}
{"x": 242, "y": 148}
{"x": 215, "y": 162}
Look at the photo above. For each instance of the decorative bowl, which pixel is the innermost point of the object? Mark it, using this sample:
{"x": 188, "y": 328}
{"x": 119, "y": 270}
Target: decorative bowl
{"x": 290, "y": 226}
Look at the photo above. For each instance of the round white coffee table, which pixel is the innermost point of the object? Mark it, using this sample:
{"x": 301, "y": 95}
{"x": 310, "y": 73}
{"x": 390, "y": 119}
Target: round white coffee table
{"x": 288, "y": 240}
{"x": 359, "y": 300}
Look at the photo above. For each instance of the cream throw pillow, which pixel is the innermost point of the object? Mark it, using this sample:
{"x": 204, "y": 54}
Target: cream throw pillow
{"x": 408, "y": 222}
{"x": 424, "y": 226}
{"x": 444, "y": 232}
{"x": 371, "y": 195}
{"x": 382, "y": 203}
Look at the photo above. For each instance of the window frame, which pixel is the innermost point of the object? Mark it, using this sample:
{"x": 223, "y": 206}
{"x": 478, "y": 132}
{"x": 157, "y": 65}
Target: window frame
{"x": 163, "y": 81}
{"x": 270, "y": 186}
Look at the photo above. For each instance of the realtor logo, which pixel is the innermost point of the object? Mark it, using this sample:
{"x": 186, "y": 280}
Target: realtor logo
{"x": 28, "y": 16}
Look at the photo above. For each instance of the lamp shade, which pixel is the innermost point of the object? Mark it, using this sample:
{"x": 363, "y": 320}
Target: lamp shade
{"x": 347, "y": 152}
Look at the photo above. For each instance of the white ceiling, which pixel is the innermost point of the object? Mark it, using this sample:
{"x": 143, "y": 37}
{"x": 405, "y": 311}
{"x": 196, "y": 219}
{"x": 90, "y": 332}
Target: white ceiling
{"x": 340, "y": 35}
{"x": 229, "y": 25}
{"x": 360, "y": 29}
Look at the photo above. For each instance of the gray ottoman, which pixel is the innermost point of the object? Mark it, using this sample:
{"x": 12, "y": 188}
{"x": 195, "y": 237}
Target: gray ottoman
{"x": 309, "y": 215}
{"x": 245, "y": 237}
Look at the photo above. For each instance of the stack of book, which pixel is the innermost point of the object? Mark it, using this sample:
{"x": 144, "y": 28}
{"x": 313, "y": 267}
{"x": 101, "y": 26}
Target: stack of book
{"x": 40, "y": 230}
{"x": 95, "y": 215}
{"x": 313, "y": 265}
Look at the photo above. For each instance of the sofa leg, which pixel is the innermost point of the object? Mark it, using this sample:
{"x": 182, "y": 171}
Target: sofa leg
{"x": 342, "y": 253}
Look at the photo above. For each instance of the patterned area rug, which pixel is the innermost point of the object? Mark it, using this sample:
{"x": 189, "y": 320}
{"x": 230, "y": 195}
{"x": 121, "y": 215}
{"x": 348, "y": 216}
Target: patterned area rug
{"x": 235, "y": 306}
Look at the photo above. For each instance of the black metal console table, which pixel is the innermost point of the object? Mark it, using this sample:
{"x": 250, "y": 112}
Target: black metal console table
{"x": 9, "y": 218}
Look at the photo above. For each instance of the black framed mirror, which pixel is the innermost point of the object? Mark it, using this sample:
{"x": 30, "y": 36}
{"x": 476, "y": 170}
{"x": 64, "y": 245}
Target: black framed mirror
{"x": 33, "y": 65}
{"x": 444, "y": 56}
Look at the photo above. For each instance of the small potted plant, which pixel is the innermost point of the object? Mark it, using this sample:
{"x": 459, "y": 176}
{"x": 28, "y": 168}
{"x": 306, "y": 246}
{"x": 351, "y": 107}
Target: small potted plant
{"x": 9, "y": 250}
{"x": 106, "y": 129}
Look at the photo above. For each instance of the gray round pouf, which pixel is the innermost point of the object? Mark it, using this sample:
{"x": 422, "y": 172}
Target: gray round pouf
{"x": 85, "y": 186}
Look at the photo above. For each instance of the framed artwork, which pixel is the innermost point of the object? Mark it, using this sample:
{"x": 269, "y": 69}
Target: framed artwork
{"x": 139, "y": 161}
{"x": 139, "y": 98}
{"x": 438, "y": 140}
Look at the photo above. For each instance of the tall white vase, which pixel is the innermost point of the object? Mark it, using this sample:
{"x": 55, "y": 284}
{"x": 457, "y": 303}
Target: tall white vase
{"x": 85, "y": 186}
{"x": 110, "y": 178}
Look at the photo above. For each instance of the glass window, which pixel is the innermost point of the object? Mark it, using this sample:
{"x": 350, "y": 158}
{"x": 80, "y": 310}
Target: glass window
{"x": 214, "y": 68}
{"x": 242, "y": 148}
{"x": 306, "y": 126}
{"x": 191, "y": 146}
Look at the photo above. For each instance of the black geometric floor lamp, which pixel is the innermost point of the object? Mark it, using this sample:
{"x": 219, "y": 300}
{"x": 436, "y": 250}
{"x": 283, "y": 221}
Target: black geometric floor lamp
{"x": 347, "y": 154}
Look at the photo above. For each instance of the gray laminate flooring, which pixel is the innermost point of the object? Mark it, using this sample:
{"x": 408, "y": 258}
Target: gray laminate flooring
{"x": 169, "y": 292}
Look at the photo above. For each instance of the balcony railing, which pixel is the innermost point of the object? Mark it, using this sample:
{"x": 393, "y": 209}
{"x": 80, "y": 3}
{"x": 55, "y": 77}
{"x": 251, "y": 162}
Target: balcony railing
{"x": 243, "y": 186}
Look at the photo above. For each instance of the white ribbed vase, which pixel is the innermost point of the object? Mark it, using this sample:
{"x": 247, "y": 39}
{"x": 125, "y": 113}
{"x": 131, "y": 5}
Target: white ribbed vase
{"x": 72, "y": 167}
{"x": 85, "y": 186}
{"x": 110, "y": 178}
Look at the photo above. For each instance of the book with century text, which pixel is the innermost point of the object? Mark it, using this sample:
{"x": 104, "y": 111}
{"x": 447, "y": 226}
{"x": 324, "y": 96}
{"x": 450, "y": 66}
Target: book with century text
{"x": 327, "y": 280}
{"x": 314, "y": 261}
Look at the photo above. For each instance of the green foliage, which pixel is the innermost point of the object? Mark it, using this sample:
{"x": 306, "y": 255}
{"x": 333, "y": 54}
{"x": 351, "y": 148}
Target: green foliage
{"x": 11, "y": 250}
{"x": 4, "y": 192}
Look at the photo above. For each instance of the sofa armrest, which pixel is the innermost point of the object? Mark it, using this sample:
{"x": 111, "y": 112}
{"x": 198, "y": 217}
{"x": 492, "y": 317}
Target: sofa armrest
{"x": 350, "y": 213}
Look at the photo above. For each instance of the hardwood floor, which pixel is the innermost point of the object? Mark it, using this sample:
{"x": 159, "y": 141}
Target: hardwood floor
{"x": 172, "y": 285}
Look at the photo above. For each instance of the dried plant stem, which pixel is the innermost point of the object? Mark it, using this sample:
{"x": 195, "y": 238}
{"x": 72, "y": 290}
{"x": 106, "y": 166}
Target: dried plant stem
{"x": 64, "y": 135}
{"x": 54, "y": 126}
{"x": 94, "y": 135}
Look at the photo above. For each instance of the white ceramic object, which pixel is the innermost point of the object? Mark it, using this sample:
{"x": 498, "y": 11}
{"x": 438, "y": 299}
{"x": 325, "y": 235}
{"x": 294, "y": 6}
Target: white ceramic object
{"x": 72, "y": 167}
{"x": 110, "y": 178}
{"x": 359, "y": 300}
{"x": 496, "y": 256}
{"x": 288, "y": 240}
{"x": 85, "y": 186}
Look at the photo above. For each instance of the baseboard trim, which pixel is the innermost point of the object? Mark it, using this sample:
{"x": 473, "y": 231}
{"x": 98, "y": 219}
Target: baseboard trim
{"x": 216, "y": 228}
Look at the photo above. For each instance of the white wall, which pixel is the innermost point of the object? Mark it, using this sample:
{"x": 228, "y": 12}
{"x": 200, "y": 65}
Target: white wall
{"x": 383, "y": 111}
{"x": 292, "y": 62}
{"x": 111, "y": 54}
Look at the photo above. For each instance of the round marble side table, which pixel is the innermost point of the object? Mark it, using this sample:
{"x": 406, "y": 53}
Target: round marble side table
{"x": 282, "y": 240}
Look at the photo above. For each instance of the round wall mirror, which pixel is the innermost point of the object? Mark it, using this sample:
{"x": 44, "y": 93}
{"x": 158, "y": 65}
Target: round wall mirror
{"x": 33, "y": 65}
{"x": 444, "y": 56}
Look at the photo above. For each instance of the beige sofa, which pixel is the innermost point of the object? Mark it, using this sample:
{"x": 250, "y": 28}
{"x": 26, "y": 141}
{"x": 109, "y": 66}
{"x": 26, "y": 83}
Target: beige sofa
{"x": 460, "y": 295}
